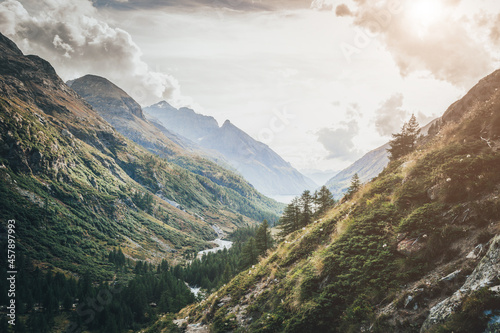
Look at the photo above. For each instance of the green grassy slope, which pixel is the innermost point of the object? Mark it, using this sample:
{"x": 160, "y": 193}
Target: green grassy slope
{"x": 78, "y": 188}
{"x": 354, "y": 269}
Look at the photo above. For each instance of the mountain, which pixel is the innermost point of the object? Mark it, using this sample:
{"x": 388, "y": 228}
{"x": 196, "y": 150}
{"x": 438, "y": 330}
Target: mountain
{"x": 127, "y": 117}
{"x": 77, "y": 188}
{"x": 258, "y": 163}
{"x": 367, "y": 167}
{"x": 414, "y": 250}
{"x": 183, "y": 121}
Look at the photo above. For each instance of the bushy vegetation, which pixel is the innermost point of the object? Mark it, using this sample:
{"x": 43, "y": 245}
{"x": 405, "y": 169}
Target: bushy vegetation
{"x": 213, "y": 270}
{"x": 331, "y": 275}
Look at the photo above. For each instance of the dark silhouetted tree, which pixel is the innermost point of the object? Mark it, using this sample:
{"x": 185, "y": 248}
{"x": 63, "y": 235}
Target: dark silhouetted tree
{"x": 263, "y": 239}
{"x": 404, "y": 142}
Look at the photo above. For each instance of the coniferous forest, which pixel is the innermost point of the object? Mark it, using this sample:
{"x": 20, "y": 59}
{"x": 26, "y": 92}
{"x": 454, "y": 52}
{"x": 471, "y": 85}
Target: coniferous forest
{"x": 150, "y": 151}
{"x": 50, "y": 300}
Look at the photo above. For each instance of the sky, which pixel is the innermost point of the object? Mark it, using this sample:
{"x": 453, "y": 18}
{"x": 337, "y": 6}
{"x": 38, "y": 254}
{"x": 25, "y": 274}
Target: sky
{"x": 321, "y": 82}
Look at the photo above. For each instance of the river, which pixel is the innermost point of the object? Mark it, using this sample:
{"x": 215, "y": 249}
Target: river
{"x": 221, "y": 245}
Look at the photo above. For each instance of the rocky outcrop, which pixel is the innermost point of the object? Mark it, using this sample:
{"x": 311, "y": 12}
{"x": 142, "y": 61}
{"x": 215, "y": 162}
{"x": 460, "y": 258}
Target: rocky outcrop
{"x": 106, "y": 98}
{"x": 486, "y": 273}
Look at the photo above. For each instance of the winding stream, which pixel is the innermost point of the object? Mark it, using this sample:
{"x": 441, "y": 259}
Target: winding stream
{"x": 221, "y": 245}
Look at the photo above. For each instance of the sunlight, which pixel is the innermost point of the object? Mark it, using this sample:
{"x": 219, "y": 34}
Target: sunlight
{"x": 424, "y": 13}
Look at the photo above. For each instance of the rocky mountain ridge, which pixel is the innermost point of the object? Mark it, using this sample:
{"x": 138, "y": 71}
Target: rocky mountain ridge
{"x": 79, "y": 188}
{"x": 258, "y": 163}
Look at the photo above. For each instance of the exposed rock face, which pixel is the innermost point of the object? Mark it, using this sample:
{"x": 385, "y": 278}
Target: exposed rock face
{"x": 183, "y": 121}
{"x": 125, "y": 114}
{"x": 110, "y": 102}
{"x": 478, "y": 94}
{"x": 34, "y": 81}
{"x": 486, "y": 273}
{"x": 258, "y": 163}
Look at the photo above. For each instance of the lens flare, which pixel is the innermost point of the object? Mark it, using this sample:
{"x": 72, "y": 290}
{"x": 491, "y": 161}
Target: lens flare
{"x": 425, "y": 13}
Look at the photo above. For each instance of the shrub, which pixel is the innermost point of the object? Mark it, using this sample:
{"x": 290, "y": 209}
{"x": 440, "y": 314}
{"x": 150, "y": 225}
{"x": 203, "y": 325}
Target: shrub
{"x": 423, "y": 219}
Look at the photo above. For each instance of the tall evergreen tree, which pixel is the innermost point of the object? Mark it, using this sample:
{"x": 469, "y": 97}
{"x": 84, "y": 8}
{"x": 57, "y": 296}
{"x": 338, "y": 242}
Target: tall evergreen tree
{"x": 263, "y": 239}
{"x": 289, "y": 221}
{"x": 355, "y": 185}
{"x": 323, "y": 200}
{"x": 405, "y": 141}
{"x": 306, "y": 213}
{"x": 249, "y": 253}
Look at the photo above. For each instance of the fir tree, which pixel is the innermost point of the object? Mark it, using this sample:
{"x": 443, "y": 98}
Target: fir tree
{"x": 323, "y": 200}
{"x": 289, "y": 221}
{"x": 355, "y": 185}
{"x": 263, "y": 239}
{"x": 306, "y": 214}
{"x": 405, "y": 142}
{"x": 249, "y": 253}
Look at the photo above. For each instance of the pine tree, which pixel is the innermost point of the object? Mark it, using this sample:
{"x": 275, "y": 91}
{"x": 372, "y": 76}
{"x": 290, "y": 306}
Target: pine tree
{"x": 249, "y": 253}
{"x": 263, "y": 239}
{"x": 20, "y": 326}
{"x": 355, "y": 185}
{"x": 289, "y": 221}
{"x": 323, "y": 199}
{"x": 306, "y": 214}
{"x": 4, "y": 326}
{"x": 228, "y": 273}
{"x": 405, "y": 142}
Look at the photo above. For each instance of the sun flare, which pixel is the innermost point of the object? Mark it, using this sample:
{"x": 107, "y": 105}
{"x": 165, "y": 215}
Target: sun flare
{"x": 424, "y": 13}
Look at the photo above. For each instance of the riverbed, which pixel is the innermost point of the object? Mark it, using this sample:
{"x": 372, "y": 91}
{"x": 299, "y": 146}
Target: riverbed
{"x": 221, "y": 245}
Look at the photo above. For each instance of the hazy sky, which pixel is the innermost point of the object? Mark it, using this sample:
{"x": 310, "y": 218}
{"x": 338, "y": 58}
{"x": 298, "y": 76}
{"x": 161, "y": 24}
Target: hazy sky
{"x": 321, "y": 83}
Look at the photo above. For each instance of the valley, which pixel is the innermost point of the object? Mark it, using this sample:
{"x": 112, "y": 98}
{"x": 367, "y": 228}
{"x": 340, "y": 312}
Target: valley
{"x": 157, "y": 219}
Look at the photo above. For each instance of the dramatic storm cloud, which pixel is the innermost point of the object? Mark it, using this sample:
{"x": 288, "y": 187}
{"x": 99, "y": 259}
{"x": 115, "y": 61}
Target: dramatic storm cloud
{"x": 72, "y": 37}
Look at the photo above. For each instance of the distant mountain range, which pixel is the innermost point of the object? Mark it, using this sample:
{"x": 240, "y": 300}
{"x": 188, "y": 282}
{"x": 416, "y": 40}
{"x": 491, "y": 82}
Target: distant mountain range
{"x": 258, "y": 163}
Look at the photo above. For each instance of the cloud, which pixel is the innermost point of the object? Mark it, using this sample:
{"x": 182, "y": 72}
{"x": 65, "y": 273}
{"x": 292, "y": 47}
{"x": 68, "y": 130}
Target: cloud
{"x": 390, "y": 116}
{"x": 339, "y": 142}
{"x": 431, "y": 38}
{"x": 322, "y": 4}
{"x": 495, "y": 30}
{"x": 70, "y": 35}
{"x": 343, "y": 10}
{"x": 239, "y": 5}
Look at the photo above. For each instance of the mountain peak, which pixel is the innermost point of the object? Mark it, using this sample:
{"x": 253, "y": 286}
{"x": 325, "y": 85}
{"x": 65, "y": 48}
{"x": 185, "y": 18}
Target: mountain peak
{"x": 162, "y": 105}
{"x": 106, "y": 97}
{"x": 8, "y": 46}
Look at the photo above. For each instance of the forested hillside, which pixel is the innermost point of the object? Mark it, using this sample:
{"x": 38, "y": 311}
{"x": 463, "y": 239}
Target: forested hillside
{"x": 78, "y": 188}
{"x": 412, "y": 251}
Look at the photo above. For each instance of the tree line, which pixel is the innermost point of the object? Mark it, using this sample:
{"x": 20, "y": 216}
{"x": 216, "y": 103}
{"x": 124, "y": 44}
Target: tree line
{"x": 213, "y": 270}
{"x": 304, "y": 209}
{"x": 108, "y": 307}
